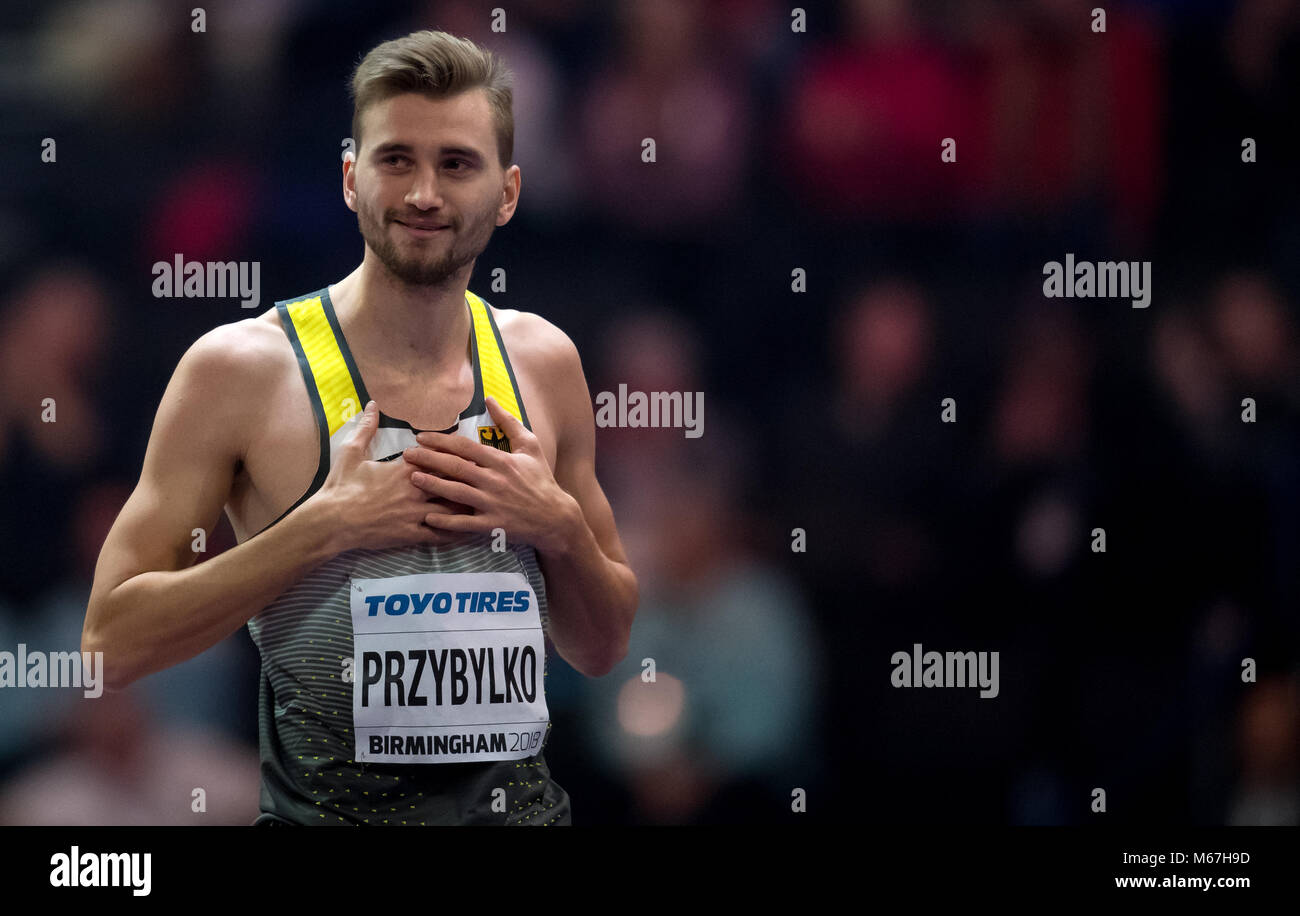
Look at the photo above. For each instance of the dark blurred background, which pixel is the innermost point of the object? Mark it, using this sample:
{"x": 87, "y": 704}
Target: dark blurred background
{"x": 777, "y": 150}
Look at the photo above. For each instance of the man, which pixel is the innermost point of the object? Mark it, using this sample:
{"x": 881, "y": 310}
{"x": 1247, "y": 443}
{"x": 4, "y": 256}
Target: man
{"x": 399, "y": 606}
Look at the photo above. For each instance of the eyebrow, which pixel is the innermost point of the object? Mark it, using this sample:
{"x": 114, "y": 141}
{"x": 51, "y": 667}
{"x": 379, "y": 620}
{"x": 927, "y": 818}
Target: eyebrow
{"x": 396, "y": 147}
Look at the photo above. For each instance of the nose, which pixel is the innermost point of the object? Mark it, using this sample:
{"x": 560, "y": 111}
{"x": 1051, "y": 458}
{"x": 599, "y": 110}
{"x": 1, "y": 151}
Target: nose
{"x": 424, "y": 192}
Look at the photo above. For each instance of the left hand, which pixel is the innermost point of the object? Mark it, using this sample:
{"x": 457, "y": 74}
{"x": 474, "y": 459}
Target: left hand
{"x": 513, "y": 490}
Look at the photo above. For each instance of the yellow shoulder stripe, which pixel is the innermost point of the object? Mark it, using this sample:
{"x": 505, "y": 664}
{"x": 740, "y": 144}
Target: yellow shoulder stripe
{"x": 492, "y": 367}
{"x": 338, "y": 395}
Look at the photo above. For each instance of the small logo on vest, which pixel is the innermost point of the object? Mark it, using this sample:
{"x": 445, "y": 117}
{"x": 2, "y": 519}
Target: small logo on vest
{"x": 492, "y": 435}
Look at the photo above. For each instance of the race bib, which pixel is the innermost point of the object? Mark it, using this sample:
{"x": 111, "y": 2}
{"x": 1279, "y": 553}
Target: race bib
{"x": 447, "y": 668}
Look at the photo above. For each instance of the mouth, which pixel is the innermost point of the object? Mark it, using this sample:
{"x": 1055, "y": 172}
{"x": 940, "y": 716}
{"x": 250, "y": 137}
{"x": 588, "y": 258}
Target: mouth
{"x": 421, "y": 230}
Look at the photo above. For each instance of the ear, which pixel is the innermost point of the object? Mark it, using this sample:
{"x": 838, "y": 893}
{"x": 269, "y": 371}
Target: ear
{"x": 509, "y": 195}
{"x": 350, "y": 180}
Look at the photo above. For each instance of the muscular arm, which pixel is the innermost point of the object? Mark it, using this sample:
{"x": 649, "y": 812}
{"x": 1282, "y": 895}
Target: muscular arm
{"x": 151, "y": 605}
{"x": 592, "y": 590}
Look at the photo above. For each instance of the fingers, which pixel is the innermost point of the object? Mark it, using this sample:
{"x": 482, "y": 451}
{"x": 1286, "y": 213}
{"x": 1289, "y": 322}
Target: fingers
{"x": 446, "y": 506}
{"x": 465, "y": 524}
{"x": 446, "y": 465}
{"x": 484, "y": 456}
{"x": 440, "y": 536}
{"x": 448, "y": 489}
{"x": 518, "y": 434}
{"x": 360, "y": 442}
{"x": 502, "y": 417}
{"x": 427, "y": 535}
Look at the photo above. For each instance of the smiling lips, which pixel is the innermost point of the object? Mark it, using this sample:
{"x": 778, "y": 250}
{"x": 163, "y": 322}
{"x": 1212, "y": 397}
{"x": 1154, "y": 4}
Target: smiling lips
{"x": 421, "y": 228}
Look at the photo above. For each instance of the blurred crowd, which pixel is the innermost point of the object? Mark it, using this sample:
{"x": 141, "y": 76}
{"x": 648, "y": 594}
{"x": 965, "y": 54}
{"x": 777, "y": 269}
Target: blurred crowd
{"x": 828, "y": 517}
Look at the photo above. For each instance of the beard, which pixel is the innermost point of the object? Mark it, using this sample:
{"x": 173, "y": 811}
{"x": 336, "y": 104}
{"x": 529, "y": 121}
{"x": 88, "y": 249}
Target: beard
{"x": 417, "y": 262}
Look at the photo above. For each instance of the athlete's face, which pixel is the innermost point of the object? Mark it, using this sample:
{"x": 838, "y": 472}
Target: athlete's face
{"x": 427, "y": 186}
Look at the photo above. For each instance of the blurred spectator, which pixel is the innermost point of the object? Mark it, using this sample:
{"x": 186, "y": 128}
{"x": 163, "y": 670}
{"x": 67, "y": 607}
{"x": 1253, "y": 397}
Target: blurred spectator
{"x": 1266, "y": 792}
{"x": 867, "y": 115}
{"x": 1231, "y": 79}
{"x": 1256, "y": 336}
{"x": 1041, "y": 413}
{"x": 114, "y": 766}
{"x": 728, "y": 727}
{"x": 667, "y": 82}
{"x": 1070, "y": 118}
{"x": 647, "y": 351}
{"x": 114, "y": 59}
{"x": 874, "y": 477}
{"x": 861, "y": 498}
{"x": 1243, "y": 345}
{"x": 53, "y": 340}
{"x": 1191, "y": 373}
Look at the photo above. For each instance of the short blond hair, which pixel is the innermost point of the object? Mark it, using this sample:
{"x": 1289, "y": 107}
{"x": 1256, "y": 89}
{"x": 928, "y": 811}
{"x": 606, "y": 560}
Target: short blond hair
{"x": 436, "y": 65}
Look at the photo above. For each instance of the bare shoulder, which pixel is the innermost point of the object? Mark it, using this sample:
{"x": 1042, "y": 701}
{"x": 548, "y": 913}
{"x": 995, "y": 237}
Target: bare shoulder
{"x": 550, "y": 372}
{"x": 225, "y": 380}
{"x": 538, "y": 346}
{"x": 246, "y": 352}
{"x": 532, "y": 338}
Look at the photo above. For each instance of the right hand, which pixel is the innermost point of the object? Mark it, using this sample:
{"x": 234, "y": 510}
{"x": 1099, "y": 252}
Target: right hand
{"x": 373, "y": 504}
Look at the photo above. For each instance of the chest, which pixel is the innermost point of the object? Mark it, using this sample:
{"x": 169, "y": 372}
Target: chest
{"x": 284, "y": 456}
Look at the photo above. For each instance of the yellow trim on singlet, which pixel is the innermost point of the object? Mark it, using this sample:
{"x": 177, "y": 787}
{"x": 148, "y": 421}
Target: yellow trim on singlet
{"x": 492, "y": 367}
{"x": 336, "y": 387}
{"x": 338, "y": 394}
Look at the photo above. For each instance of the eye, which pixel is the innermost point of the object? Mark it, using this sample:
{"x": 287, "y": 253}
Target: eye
{"x": 392, "y": 156}
{"x": 462, "y": 162}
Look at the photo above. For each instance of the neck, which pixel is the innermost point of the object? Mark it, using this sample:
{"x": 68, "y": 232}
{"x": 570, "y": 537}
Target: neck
{"x": 413, "y": 326}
